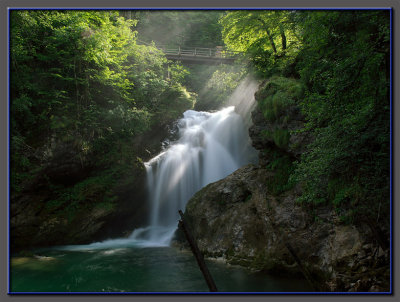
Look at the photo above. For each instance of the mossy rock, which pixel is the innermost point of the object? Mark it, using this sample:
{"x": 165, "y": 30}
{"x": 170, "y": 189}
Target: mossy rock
{"x": 277, "y": 95}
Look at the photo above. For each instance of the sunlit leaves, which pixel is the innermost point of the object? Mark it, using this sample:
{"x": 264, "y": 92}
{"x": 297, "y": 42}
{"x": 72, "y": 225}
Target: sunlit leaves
{"x": 269, "y": 38}
{"x": 79, "y": 76}
{"x": 243, "y": 29}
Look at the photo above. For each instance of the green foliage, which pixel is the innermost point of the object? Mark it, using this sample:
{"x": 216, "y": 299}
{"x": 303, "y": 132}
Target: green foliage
{"x": 219, "y": 87}
{"x": 277, "y": 95}
{"x": 68, "y": 70}
{"x": 281, "y": 138}
{"x": 345, "y": 66}
{"x": 79, "y": 79}
{"x": 273, "y": 107}
{"x": 281, "y": 165}
{"x": 342, "y": 58}
{"x": 177, "y": 73}
{"x": 94, "y": 191}
{"x": 269, "y": 38}
{"x": 190, "y": 28}
{"x": 174, "y": 102}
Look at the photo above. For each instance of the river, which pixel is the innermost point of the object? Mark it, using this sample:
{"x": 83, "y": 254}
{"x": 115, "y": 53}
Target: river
{"x": 134, "y": 270}
{"x": 209, "y": 146}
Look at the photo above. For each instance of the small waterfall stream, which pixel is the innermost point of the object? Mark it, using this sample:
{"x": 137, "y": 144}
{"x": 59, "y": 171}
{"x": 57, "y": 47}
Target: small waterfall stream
{"x": 210, "y": 147}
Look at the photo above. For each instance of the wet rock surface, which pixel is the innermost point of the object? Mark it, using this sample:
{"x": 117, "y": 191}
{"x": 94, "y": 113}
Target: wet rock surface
{"x": 234, "y": 217}
{"x": 239, "y": 220}
{"x": 36, "y": 221}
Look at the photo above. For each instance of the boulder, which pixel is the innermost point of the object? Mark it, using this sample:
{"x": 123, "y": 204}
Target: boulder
{"x": 237, "y": 219}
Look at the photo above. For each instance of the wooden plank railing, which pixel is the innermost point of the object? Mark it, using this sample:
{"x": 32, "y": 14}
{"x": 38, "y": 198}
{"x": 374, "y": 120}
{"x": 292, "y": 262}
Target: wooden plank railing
{"x": 199, "y": 52}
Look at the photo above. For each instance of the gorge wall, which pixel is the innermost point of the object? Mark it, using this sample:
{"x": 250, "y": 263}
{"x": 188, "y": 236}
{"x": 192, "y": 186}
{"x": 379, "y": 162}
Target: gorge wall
{"x": 98, "y": 206}
{"x": 251, "y": 217}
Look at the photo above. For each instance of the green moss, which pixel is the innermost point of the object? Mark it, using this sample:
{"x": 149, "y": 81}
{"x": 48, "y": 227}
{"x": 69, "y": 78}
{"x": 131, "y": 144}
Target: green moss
{"x": 93, "y": 192}
{"x": 282, "y": 166}
{"x": 277, "y": 95}
{"x": 281, "y": 138}
{"x": 266, "y": 134}
{"x": 260, "y": 261}
{"x": 274, "y": 106}
{"x": 108, "y": 205}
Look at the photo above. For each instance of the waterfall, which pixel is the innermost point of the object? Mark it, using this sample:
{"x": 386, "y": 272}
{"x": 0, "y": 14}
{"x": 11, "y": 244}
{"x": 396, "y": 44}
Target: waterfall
{"x": 210, "y": 147}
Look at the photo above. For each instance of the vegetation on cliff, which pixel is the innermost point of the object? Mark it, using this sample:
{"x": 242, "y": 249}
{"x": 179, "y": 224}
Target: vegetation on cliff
{"x": 88, "y": 86}
{"x": 336, "y": 69}
{"x": 92, "y": 96}
{"x": 83, "y": 94}
{"x": 318, "y": 202}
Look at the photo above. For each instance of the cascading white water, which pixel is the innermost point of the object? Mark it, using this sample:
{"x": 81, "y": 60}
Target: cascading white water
{"x": 210, "y": 147}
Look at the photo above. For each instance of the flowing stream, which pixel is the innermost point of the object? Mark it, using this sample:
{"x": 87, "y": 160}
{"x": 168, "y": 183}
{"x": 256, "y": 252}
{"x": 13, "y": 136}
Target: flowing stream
{"x": 209, "y": 147}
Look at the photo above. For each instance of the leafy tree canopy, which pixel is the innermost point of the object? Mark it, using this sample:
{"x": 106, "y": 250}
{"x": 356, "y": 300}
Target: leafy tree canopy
{"x": 264, "y": 36}
{"x": 79, "y": 77}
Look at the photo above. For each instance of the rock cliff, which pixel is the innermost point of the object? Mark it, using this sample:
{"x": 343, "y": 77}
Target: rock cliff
{"x": 244, "y": 221}
{"x": 239, "y": 220}
{"x": 96, "y": 208}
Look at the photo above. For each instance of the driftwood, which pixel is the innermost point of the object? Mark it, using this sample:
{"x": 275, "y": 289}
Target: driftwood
{"x": 197, "y": 254}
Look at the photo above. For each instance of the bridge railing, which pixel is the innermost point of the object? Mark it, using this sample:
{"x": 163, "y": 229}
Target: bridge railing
{"x": 199, "y": 52}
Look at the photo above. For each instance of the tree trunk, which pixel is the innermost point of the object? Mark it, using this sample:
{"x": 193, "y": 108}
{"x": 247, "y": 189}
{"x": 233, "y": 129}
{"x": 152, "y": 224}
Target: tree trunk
{"x": 283, "y": 36}
{"x": 271, "y": 40}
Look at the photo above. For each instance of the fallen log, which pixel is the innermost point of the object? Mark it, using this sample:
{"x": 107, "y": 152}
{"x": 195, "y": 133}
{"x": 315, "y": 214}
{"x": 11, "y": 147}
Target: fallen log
{"x": 197, "y": 254}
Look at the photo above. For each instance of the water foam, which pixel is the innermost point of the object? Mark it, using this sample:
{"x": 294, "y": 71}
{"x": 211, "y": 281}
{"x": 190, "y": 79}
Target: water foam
{"x": 210, "y": 147}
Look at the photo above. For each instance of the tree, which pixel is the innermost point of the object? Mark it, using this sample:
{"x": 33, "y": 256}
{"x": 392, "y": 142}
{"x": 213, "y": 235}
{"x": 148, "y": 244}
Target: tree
{"x": 185, "y": 28}
{"x": 78, "y": 78}
{"x": 344, "y": 64}
{"x": 269, "y": 38}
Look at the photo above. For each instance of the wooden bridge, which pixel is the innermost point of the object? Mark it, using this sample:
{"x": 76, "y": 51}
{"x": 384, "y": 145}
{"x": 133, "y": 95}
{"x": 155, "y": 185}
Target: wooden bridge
{"x": 198, "y": 55}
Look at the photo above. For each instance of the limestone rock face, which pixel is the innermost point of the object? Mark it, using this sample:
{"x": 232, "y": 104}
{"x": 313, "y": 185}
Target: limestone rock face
{"x": 36, "y": 226}
{"x": 297, "y": 143}
{"x": 239, "y": 220}
{"x": 37, "y": 219}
